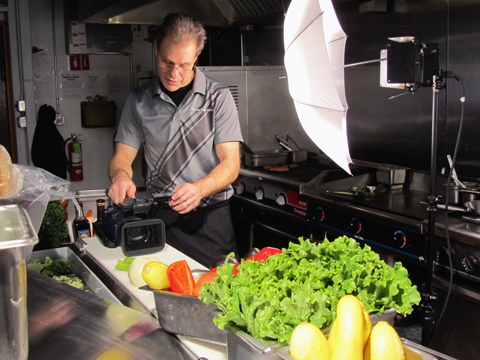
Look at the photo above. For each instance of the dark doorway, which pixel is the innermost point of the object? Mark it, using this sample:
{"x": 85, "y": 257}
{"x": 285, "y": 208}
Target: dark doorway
{"x": 7, "y": 121}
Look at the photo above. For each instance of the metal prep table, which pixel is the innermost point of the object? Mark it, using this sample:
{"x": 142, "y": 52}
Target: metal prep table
{"x": 82, "y": 327}
{"x": 87, "y": 332}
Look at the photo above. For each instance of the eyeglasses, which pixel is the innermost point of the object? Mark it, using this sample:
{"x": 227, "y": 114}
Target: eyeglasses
{"x": 170, "y": 66}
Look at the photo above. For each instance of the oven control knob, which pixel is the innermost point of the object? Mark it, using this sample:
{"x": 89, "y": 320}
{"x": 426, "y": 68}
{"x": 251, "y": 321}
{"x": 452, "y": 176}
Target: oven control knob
{"x": 470, "y": 263}
{"x": 399, "y": 239}
{"x": 355, "y": 226}
{"x": 240, "y": 188}
{"x": 259, "y": 194}
{"x": 442, "y": 256}
{"x": 280, "y": 200}
{"x": 318, "y": 215}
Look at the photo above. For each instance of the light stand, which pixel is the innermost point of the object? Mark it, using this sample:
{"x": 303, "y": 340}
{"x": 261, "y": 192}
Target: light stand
{"x": 428, "y": 298}
{"x": 416, "y": 65}
{"x": 412, "y": 65}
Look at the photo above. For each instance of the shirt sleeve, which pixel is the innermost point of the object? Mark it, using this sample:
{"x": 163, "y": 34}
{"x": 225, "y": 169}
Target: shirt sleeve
{"x": 129, "y": 131}
{"x": 227, "y": 124}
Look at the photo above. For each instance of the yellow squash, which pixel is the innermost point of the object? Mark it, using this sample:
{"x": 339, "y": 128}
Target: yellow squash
{"x": 332, "y": 335}
{"x": 367, "y": 324}
{"x": 349, "y": 332}
{"x": 309, "y": 343}
{"x": 384, "y": 344}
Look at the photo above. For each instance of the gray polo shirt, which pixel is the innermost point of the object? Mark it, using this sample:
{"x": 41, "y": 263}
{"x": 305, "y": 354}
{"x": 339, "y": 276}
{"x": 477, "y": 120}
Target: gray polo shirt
{"x": 179, "y": 142}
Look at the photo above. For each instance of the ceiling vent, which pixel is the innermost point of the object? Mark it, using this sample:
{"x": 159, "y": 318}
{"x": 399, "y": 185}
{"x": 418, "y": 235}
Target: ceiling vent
{"x": 211, "y": 13}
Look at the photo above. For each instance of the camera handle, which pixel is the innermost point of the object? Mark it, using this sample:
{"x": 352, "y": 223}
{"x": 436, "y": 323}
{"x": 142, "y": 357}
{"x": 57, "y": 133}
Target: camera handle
{"x": 157, "y": 200}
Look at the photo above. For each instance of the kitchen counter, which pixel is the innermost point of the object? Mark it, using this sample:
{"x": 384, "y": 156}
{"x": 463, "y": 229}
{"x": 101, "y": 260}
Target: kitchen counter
{"x": 90, "y": 326}
{"x": 94, "y": 253}
{"x": 65, "y": 320}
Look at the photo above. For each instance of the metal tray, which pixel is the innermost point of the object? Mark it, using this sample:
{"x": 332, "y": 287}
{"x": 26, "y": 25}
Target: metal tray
{"x": 78, "y": 267}
{"x": 187, "y": 315}
{"x": 267, "y": 157}
{"x": 376, "y": 192}
{"x": 298, "y": 156}
{"x": 412, "y": 353}
{"x": 391, "y": 175}
{"x": 240, "y": 345}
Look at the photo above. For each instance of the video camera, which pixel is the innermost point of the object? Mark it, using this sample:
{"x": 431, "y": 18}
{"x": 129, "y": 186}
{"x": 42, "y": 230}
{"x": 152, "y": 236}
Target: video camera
{"x": 132, "y": 225}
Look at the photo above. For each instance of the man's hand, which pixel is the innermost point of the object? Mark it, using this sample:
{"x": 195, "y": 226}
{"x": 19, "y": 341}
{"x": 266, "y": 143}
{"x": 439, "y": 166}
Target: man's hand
{"x": 122, "y": 187}
{"x": 185, "y": 198}
{"x": 120, "y": 173}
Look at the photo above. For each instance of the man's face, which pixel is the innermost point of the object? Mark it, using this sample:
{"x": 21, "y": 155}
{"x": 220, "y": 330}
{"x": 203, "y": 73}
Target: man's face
{"x": 175, "y": 62}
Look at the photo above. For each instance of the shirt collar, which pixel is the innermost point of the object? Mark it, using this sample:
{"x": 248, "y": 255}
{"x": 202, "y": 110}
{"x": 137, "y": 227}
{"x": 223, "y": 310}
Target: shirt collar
{"x": 199, "y": 84}
{"x": 156, "y": 89}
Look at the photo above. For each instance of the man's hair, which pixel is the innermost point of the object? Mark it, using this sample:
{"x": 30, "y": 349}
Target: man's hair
{"x": 177, "y": 25}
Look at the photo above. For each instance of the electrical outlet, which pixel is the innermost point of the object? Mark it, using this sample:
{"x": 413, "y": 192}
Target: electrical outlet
{"x": 22, "y": 121}
{"x": 138, "y": 36}
{"x": 21, "y": 105}
{"x": 59, "y": 120}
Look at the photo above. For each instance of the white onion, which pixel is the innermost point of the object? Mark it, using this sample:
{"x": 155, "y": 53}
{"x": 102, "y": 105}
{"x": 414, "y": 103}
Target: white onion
{"x": 136, "y": 267}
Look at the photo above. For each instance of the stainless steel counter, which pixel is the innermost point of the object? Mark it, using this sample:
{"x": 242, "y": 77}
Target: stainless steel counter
{"x": 459, "y": 230}
{"x": 65, "y": 322}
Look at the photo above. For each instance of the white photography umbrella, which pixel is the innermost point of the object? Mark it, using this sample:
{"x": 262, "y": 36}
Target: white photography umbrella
{"x": 314, "y": 59}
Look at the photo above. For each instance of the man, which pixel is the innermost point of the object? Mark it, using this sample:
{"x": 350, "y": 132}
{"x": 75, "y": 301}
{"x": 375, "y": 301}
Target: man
{"x": 188, "y": 125}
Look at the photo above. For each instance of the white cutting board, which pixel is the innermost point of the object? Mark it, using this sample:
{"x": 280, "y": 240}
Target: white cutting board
{"x": 108, "y": 257}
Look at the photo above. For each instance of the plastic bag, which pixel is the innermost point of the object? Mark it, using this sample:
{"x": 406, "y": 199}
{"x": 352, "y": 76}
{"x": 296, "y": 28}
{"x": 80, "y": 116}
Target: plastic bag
{"x": 11, "y": 180}
{"x": 37, "y": 182}
{"x": 32, "y": 188}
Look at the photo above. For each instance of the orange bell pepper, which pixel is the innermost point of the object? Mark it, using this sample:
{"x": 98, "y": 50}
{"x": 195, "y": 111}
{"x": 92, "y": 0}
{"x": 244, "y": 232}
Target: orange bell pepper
{"x": 181, "y": 278}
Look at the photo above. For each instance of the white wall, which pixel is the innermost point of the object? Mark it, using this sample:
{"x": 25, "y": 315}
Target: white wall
{"x": 39, "y": 30}
{"x": 18, "y": 16}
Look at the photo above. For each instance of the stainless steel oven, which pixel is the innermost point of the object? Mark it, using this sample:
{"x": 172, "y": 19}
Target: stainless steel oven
{"x": 272, "y": 209}
{"x": 267, "y": 209}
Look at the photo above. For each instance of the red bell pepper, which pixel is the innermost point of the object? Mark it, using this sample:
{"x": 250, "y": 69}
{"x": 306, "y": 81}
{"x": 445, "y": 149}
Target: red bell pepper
{"x": 264, "y": 254}
{"x": 235, "y": 271}
{"x": 181, "y": 278}
{"x": 205, "y": 279}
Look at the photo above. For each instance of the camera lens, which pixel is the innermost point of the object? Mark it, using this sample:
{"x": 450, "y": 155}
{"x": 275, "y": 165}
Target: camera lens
{"x": 139, "y": 234}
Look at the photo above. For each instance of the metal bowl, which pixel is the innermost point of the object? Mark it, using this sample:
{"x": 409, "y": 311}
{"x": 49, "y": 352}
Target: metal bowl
{"x": 187, "y": 315}
{"x": 473, "y": 206}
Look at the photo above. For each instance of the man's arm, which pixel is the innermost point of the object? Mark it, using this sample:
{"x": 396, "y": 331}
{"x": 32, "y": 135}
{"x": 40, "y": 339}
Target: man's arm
{"x": 120, "y": 173}
{"x": 187, "y": 196}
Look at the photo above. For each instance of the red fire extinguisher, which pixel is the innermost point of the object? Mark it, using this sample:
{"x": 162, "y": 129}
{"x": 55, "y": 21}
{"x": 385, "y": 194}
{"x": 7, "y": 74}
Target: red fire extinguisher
{"x": 75, "y": 158}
